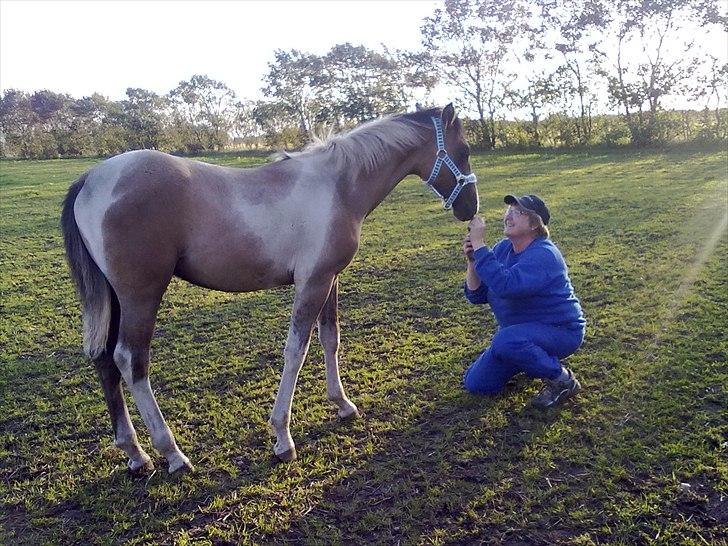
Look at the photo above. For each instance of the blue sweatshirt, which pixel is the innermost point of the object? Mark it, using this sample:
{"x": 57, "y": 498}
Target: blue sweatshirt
{"x": 531, "y": 286}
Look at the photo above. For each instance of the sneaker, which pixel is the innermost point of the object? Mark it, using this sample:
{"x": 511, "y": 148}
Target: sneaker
{"x": 555, "y": 392}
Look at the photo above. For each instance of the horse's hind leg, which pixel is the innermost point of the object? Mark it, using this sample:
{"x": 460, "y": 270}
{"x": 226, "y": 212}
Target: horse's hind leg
{"x": 132, "y": 358}
{"x": 328, "y": 325}
{"x": 124, "y": 434}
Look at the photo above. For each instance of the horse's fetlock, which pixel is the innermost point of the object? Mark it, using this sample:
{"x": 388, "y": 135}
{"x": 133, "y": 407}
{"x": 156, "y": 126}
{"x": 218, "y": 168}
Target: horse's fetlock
{"x": 164, "y": 443}
{"x": 126, "y": 441}
{"x": 279, "y": 422}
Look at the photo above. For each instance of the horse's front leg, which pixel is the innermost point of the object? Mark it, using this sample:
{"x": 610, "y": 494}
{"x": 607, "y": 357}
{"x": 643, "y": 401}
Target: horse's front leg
{"x": 328, "y": 325}
{"x": 306, "y": 307}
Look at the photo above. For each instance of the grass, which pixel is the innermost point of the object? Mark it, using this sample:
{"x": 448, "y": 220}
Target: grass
{"x": 638, "y": 458}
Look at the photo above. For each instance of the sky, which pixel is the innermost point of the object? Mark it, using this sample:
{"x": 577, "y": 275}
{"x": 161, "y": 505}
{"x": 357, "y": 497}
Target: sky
{"x": 82, "y": 47}
{"x": 106, "y": 46}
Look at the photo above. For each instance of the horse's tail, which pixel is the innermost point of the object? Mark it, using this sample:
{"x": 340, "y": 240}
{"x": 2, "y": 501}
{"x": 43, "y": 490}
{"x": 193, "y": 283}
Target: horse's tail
{"x": 93, "y": 289}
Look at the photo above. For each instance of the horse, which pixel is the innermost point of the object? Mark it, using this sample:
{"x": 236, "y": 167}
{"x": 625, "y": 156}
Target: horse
{"x": 137, "y": 219}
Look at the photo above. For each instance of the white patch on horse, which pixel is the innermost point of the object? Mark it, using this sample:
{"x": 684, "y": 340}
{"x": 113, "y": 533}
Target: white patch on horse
{"x": 162, "y": 438}
{"x": 298, "y": 223}
{"x": 126, "y": 439}
{"x": 280, "y": 419}
{"x": 122, "y": 359}
{"x": 329, "y": 337}
{"x": 94, "y": 200}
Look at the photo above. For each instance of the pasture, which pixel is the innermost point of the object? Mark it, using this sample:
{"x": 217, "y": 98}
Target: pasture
{"x": 639, "y": 457}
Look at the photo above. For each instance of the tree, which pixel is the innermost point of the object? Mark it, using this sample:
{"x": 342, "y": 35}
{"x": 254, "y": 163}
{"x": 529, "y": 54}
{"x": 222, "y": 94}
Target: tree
{"x": 17, "y": 122}
{"x": 53, "y": 122}
{"x": 349, "y": 85}
{"x": 245, "y": 128}
{"x": 144, "y": 118}
{"x": 203, "y": 112}
{"x": 87, "y": 115}
{"x": 471, "y": 44}
{"x": 279, "y": 128}
{"x": 638, "y": 83}
{"x": 577, "y": 24}
{"x": 712, "y": 87}
{"x": 540, "y": 91}
{"x": 292, "y": 82}
{"x": 360, "y": 84}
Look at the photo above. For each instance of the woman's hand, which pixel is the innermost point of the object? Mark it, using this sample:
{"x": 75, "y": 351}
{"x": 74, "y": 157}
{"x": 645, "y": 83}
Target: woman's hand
{"x": 476, "y": 227}
{"x": 468, "y": 248}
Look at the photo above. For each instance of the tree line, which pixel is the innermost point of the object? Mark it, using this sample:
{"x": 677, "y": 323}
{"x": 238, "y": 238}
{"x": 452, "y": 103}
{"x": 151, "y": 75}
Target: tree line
{"x": 554, "y": 62}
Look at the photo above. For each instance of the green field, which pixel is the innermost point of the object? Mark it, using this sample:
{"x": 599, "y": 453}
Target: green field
{"x": 639, "y": 457}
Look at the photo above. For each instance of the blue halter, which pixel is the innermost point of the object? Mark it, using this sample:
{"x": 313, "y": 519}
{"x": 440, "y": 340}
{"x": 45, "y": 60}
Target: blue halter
{"x": 443, "y": 157}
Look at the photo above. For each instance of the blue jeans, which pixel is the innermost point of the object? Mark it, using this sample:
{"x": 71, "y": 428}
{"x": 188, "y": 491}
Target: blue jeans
{"x": 532, "y": 348}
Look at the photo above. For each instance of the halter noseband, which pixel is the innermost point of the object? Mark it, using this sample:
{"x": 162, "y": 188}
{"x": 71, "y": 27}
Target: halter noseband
{"x": 443, "y": 157}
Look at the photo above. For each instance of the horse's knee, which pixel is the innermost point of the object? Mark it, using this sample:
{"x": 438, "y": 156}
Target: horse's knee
{"x": 328, "y": 336}
{"x": 331, "y": 349}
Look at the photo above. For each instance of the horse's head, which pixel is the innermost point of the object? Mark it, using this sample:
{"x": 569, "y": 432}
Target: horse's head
{"x": 448, "y": 165}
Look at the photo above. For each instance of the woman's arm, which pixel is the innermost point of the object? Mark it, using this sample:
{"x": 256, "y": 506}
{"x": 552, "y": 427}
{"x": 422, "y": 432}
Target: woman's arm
{"x": 475, "y": 290}
{"x": 472, "y": 281}
{"x": 536, "y": 269}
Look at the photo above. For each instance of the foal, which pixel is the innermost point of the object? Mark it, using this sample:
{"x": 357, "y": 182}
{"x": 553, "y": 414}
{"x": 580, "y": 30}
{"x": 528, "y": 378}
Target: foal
{"x": 136, "y": 220}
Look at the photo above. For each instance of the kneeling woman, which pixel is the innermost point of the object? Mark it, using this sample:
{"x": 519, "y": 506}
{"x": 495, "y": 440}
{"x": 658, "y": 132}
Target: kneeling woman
{"x": 525, "y": 280}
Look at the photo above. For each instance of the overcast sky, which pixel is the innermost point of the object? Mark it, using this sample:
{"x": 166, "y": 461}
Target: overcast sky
{"x": 107, "y": 46}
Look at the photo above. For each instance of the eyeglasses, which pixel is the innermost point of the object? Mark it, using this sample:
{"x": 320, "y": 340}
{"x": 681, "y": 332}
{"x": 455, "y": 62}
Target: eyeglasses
{"x": 514, "y": 210}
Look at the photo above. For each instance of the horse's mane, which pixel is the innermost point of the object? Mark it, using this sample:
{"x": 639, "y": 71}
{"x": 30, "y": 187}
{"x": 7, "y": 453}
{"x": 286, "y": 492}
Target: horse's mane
{"x": 372, "y": 143}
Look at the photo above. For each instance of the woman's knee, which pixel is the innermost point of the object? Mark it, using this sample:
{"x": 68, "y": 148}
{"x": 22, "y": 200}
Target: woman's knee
{"x": 504, "y": 347}
{"x": 480, "y": 383}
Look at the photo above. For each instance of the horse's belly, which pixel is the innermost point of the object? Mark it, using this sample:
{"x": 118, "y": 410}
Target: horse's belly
{"x": 233, "y": 271}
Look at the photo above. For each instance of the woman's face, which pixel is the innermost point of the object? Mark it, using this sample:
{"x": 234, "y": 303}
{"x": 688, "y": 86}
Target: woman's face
{"x": 516, "y": 222}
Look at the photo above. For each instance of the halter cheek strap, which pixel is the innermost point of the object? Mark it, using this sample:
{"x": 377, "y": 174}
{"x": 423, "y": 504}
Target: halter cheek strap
{"x": 461, "y": 179}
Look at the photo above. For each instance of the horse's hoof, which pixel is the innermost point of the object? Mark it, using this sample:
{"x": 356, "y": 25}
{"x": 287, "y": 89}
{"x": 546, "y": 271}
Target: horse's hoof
{"x": 141, "y": 468}
{"x": 353, "y": 416}
{"x": 184, "y": 468}
{"x": 287, "y": 456}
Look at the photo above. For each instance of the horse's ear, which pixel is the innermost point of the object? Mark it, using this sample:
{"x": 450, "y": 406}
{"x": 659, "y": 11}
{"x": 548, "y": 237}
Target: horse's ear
{"x": 419, "y": 107}
{"x": 448, "y": 115}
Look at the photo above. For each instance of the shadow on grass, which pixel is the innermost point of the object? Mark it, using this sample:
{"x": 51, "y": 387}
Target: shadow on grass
{"x": 412, "y": 483}
{"x": 439, "y": 474}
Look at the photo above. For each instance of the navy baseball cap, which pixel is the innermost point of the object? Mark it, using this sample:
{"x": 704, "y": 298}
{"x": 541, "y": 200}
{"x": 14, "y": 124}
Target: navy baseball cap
{"x": 532, "y": 203}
